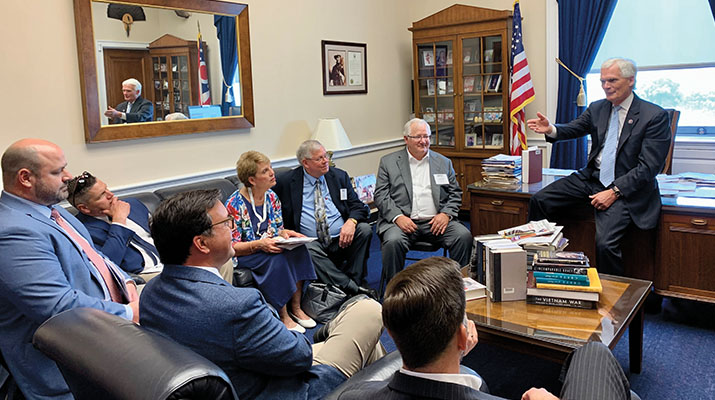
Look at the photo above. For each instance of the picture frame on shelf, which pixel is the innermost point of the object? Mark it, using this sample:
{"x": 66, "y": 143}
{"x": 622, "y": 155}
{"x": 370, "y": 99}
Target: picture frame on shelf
{"x": 344, "y": 67}
{"x": 494, "y": 83}
{"x": 488, "y": 55}
{"x": 430, "y": 87}
{"x": 468, "y": 84}
{"x": 449, "y": 57}
{"x": 470, "y": 139}
{"x": 441, "y": 60}
{"x": 441, "y": 86}
{"x": 497, "y": 139}
{"x": 467, "y": 53}
{"x": 427, "y": 58}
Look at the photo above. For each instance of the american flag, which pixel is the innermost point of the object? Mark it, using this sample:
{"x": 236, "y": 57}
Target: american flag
{"x": 205, "y": 99}
{"x": 522, "y": 89}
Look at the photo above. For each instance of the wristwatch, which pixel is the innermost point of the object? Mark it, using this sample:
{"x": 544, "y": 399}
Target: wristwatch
{"x": 354, "y": 220}
{"x": 617, "y": 192}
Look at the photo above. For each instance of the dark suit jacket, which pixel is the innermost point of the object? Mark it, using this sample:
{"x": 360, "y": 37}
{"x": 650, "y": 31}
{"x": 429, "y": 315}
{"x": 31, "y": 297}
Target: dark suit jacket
{"x": 289, "y": 188}
{"x": 234, "y": 328}
{"x": 42, "y": 273}
{"x": 642, "y": 148}
{"x": 113, "y": 239}
{"x": 393, "y": 191}
{"x": 403, "y": 386}
{"x": 142, "y": 111}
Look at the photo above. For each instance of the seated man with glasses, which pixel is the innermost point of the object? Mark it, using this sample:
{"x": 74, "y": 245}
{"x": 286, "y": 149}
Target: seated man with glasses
{"x": 120, "y": 229}
{"x": 336, "y": 217}
{"x": 418, "y": 198}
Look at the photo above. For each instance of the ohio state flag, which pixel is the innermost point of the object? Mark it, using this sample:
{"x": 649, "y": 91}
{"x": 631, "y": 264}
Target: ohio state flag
{"x": 205, "y": 99}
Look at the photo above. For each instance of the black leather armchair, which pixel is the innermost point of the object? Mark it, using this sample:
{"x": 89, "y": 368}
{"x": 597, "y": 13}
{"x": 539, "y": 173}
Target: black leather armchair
{"x": 103, "y": 356}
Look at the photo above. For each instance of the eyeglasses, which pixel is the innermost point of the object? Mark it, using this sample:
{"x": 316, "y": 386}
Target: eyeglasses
{"x": 77, "y": 184}
{"x": 421, "y": 137}
{"x": 229, "y": 222}
{"x": 322, "y": 158}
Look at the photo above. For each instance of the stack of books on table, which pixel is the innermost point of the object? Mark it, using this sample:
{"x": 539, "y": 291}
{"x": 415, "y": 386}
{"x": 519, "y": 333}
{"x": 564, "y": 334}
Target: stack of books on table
{"x": 502, "y": 171}
{"x": 565, "y": 279}
{"x": 537, "y": 237}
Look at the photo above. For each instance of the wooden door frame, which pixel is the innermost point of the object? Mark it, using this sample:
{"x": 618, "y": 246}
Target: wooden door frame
{"x": 101, "y": 77}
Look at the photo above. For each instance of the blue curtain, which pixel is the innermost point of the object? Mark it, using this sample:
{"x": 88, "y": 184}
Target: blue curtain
{"x": 226, "y": 33}
{"x": 582, "y": 25}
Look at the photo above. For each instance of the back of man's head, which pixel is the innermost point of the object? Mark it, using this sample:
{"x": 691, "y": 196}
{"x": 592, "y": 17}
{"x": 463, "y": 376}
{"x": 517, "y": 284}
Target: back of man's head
{"x": 423, "y": 308}
{"x": 178, "y": 220}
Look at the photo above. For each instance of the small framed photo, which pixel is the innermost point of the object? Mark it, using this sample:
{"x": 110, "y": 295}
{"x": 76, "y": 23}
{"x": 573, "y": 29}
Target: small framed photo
{"x": 344, "y": 67}
{"x": 469, "y": 84}
{"x": 494, "y": 83}
{"x": 497, "y": 139}
{"x": 488, "y": 55}
{"x": 471, "y": 139}
{"x": 430, "y": 87}
{"x": 449, "y": 57}
{"x": 467, "y": 52}
{"x": 427, "y": 58}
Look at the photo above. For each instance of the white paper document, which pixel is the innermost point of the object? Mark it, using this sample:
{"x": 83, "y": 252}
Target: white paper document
{"x": 292, "y": 243}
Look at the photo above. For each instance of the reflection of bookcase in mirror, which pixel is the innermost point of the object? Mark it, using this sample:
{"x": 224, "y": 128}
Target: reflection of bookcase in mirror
{"x": 461, "y": 61}
{"x": 174, "y": 85}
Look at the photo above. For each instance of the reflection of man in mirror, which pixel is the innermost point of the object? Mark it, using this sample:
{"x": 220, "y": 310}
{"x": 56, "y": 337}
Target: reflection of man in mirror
{"x": 134, "y": 109}
{"x": 337, "y": 75}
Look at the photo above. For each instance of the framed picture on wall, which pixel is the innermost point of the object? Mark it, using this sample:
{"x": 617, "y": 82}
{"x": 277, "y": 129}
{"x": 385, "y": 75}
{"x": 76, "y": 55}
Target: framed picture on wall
{"x": 344, "y": 67}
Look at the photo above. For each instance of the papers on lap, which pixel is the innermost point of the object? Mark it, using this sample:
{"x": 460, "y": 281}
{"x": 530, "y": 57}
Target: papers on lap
{"x": 292, "y": 243}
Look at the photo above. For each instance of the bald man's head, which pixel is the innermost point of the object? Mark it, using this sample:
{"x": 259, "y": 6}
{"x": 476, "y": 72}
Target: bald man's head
{"x": 34, "y": 169}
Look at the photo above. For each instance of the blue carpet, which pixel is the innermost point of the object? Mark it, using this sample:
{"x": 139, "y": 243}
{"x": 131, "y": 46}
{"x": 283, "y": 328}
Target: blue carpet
{"x": 678, "y": 352}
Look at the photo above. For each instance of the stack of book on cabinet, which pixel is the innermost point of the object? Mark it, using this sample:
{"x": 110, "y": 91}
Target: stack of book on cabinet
{"x": 565, "y": 279}
{"x": 502, "y": 171}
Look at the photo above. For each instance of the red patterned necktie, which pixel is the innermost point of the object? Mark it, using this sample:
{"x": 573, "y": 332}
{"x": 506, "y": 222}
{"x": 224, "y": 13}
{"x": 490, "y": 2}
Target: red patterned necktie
{"x": 114, "y": 288}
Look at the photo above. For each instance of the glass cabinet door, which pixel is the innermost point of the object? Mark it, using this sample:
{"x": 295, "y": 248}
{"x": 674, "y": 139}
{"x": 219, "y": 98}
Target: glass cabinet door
{"x": 472, "y": 86}
{"x": 493, "y": 82}
{"x": 180, "y": 82}
{"x": 161, "y": 87}
{"x": 436, "y": 90}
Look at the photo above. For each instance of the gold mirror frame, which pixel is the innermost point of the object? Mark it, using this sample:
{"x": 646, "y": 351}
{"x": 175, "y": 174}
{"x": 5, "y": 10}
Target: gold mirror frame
{"x": 95, "y": 132}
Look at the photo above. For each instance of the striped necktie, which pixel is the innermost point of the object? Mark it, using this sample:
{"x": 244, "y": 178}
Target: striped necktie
{"x": 321, "y": 217}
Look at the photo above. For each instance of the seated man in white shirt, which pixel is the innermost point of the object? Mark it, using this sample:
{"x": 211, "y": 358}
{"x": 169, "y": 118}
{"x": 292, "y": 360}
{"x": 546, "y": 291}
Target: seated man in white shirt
{"x": 119, "y": 229}
{"x": 424, "y": 313}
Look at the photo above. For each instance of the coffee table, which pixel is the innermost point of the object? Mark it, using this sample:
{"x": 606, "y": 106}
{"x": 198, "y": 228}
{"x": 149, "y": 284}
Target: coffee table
{"x": 554, "y": 332}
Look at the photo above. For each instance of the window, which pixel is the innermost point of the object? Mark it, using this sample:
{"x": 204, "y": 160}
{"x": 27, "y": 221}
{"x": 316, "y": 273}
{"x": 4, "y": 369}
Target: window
{"x": 673, "y": 45}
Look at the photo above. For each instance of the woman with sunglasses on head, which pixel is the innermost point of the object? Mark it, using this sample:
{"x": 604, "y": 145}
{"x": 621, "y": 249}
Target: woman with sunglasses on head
{"x": 279, "y": 273}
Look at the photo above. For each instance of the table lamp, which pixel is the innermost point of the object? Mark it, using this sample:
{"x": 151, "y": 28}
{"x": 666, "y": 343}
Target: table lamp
{"x": 332, "y": 136}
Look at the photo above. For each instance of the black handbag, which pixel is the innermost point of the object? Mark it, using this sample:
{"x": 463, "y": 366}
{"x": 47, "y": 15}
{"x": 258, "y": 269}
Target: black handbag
{"x": 322, "y": 301}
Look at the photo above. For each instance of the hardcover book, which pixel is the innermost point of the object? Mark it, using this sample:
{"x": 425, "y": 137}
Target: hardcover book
{"x": 561, "y": 302}
{"x": 473, "y": 290}
{"x": 506, "y": 270}
{"x": 531, "y": 165}
{"x": 594, "y": 286}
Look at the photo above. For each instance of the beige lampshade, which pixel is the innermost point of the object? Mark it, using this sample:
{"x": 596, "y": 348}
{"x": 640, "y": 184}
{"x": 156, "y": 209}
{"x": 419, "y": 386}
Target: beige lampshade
{"x": 331, "y": 135}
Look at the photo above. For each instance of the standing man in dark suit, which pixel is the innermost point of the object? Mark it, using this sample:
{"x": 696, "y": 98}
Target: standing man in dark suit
{"x": 48, "y": 265}
{"x": 120, "y": 229}
{"x": 341, "y": 251}
{"x": 418, "y": 197}
{"x": 630, "y": 139}
{"x": 424, "y": 312}
{"x": 134, "y": 109}
{"x": 234, "y": 327}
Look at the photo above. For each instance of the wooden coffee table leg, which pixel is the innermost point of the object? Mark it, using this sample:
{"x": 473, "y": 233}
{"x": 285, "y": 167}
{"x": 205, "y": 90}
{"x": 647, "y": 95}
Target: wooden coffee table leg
{"x": 635, "y": 342}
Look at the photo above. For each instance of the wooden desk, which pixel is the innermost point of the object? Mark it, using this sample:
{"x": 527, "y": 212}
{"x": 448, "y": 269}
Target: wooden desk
{"x": 678, "y": 255}
{"x": 554, "y": 332}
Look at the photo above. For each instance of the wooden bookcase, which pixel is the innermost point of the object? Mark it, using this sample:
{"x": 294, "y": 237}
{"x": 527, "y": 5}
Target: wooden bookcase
{"x": 461, "y": 74}
{"x": 174, "y": 72}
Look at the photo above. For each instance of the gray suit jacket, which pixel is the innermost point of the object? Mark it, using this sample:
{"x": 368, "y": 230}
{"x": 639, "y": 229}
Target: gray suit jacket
{"x": 393, "y": 192}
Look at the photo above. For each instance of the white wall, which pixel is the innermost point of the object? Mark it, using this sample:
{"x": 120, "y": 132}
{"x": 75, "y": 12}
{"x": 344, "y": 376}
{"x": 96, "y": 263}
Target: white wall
{"x": 41, "y": 82}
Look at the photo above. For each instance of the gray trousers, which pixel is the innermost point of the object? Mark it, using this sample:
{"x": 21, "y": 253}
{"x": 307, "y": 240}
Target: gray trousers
{"x": 594, "y": 373}
{"x": 395, "y": 244}
{"x": 343, "y": 268}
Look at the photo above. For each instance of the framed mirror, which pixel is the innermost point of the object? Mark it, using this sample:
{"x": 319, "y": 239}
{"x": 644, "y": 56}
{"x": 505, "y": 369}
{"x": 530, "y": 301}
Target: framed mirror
{"x": 192, "y": 59}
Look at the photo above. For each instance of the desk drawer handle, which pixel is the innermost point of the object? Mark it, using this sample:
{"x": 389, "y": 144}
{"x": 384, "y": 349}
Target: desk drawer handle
{"x": 497, "y": 202}
{"x": 698, "y": 222}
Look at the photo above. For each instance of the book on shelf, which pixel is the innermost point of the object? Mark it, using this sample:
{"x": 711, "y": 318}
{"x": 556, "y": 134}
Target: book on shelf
{"x": 594, "y": 284}
{"x": 561, "y": 276}
{"x": 561, "y": 302}
{"x": 505, "y": 272}
{"x": 473, "y": 290}
{"x": 557, "y": 281}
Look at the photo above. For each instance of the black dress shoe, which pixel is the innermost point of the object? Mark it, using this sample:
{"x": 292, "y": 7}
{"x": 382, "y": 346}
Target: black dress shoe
{"x": 322, "y": 333}
{"x": 369, "y": 292}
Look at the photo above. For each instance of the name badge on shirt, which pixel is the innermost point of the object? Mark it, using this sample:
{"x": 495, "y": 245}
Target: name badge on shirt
{"x": 441, "y": 179}
{"x": 343, "y": 194}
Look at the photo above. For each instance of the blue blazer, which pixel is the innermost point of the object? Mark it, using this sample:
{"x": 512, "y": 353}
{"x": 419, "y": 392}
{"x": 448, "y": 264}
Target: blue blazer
{"x": 234, "y": 328}
{"x": 640, "y": 156}
{"x": 42, "y": 273}
{"x": 113, "y": 239}
{"x": 289, "y": 188}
